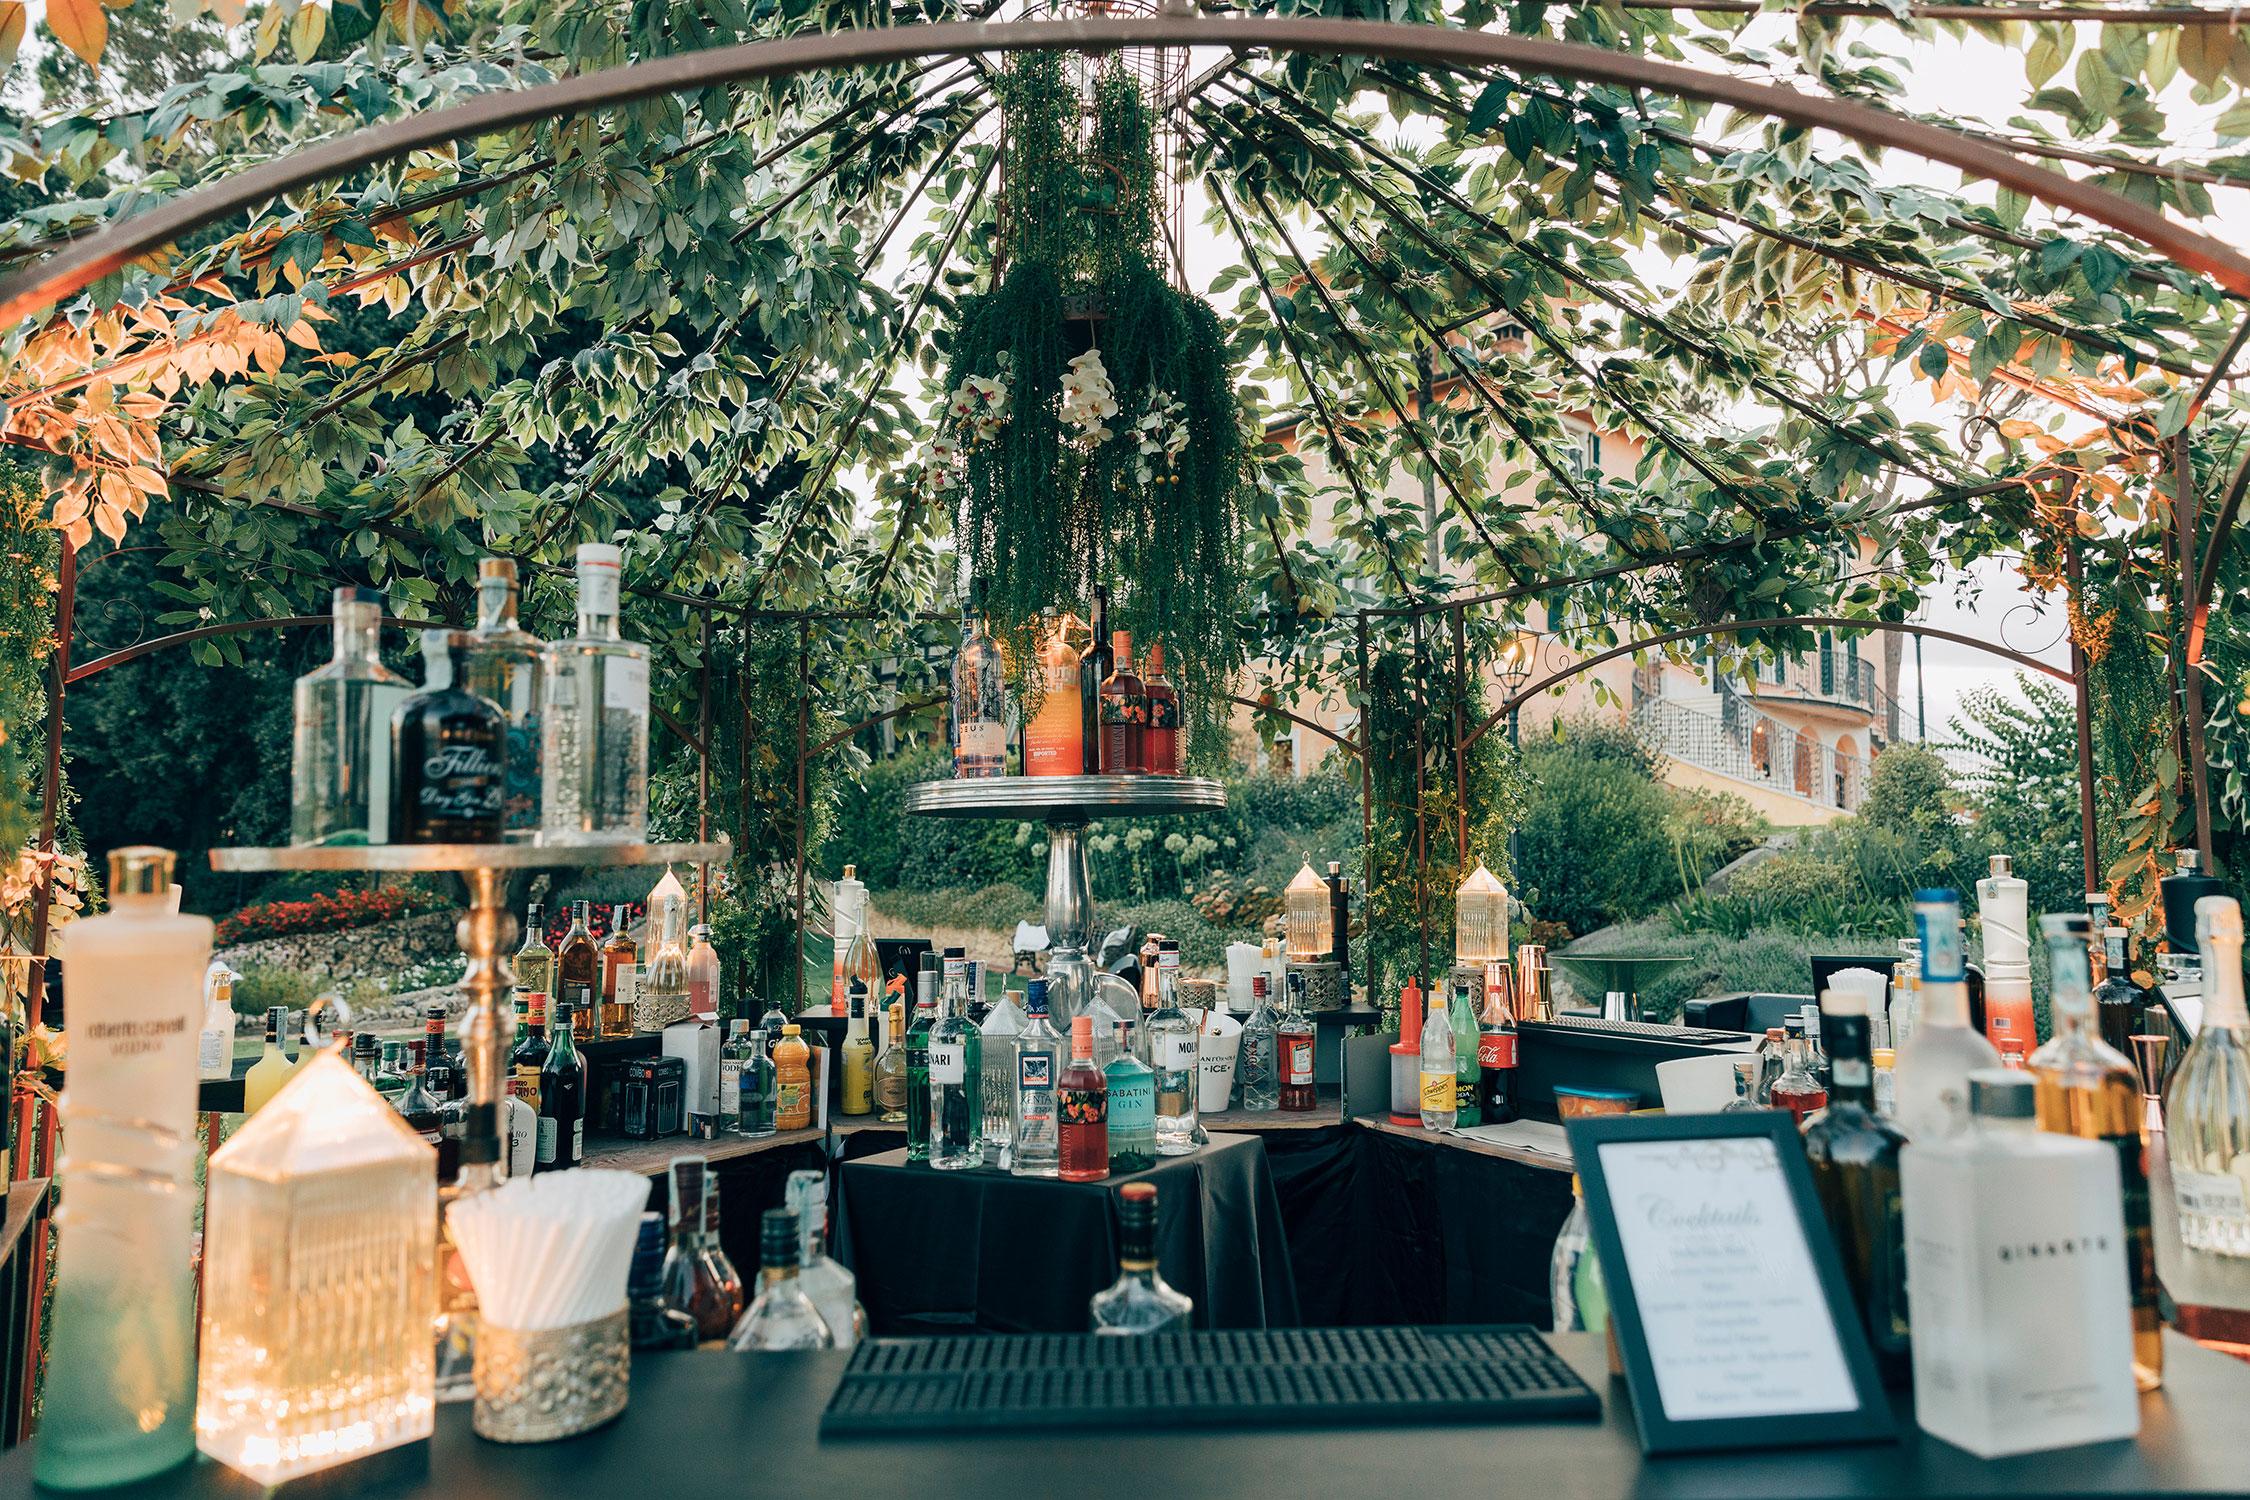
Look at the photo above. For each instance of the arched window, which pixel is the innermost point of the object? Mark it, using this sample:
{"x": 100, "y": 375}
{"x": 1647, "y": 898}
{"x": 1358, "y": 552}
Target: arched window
{"x": 1761, "y": 748}
{"x": 1847, "y": 772}
{"x": 1804, "y": 750}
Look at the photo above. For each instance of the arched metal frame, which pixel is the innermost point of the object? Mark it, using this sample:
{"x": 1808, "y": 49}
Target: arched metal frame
{"x": 36, "y": 290}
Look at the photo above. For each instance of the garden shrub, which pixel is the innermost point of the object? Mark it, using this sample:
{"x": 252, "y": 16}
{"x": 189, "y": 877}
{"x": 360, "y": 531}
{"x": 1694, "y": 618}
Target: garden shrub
{"x": 332, "y": 911}
{"x": 1594, "y": 847}
{"x": 261, "y": 986}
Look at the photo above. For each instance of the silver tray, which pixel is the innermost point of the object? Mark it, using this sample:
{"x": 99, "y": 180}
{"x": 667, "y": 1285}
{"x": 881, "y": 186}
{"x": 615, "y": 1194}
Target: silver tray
{"x": 440, "y": 857}
{"x": 1064, "y": 797}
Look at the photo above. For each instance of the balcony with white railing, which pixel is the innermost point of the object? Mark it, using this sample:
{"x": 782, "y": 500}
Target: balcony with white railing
{"x": 1826, "y": 677}
{"x": 1752, "y": 746}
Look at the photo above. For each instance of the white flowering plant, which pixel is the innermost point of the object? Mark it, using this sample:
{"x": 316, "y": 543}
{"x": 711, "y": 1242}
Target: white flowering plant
{"x": 1088, "y": 398}
{"x": 1160, "y": 436}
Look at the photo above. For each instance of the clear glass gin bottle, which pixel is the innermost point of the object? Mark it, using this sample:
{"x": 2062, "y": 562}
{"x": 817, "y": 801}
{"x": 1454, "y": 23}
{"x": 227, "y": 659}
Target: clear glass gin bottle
{"x": 340, "y": 778}
{"x": 1139, "y": 1301}
{"x": 834, "y": 1291}
{"x": 506, "y": 665}
{"x": 594, "y": 724}
{"x": 1171, "y": 1053}
{"x": 2207, "y": 1105}
{"x": 1038, "y": 1056}
{"x": 956, "y": 1083}
{"x": 782, "y": 1316}
{"x": 1000, "y": 1027}
{"x": 1258, "y": 1065}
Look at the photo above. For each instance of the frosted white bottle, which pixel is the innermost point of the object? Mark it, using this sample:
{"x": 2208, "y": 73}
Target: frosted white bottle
{"x": 120, "y": 1398}
{"x": 214, "y": 1045}
{"x": 519, "y": 1127}
{"x": 1931, "y": 1072}
{"x": 2015, "y": 1281}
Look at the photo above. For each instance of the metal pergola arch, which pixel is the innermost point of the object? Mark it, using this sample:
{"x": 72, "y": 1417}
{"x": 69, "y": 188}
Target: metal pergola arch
{"x": 77, "y": 265}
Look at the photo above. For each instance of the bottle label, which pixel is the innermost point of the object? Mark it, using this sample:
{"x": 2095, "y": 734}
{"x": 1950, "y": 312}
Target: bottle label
{"x": 979, "y": 741}
{"x": 1437, "y": 1092}
{"x": 1496, "y": 1049}
{"x": 789, "y": 1100}
{"x": 1297, "y": 1060}
{"x": 462, "y": 781}
{"x": 949, "y": 1063}
{"x": 2213, "y": 1195}
{"x": 578, "y": 1140}
{"x": 1176, "y": 1051}
{"x": 211, "y": 1059}
{"x": 625, "y": 683}
{"x": 546, "y": 1147}
{"x": 1084, "y": 1108}
{"x": 1850, "y": 1072}
{"x": 1035, "y": 1070}
{"x": 730, "y": 1086}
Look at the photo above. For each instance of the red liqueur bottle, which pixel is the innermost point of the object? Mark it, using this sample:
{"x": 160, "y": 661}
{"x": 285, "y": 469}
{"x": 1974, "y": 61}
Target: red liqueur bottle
{"x": 1082, "y": 1101}
{"x": 1124, "y": 710}
{"x": 1160, "y": 731}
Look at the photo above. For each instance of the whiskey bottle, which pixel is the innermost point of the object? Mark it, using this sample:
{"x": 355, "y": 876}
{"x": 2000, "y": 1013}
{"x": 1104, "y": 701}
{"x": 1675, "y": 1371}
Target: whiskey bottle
{"x": 978, "y": 711}
{"x": 1160, "y": 732}
{"x": 594, "y": 722}
{"x": 692, "y": 1284}
{"x": 1094, "y": 666}
{"x": 1124, "y": 710}
{"x": 2207, "y": 1104}
{"x": 447, "y": 749}
{"x": 578, "y": 964}
{"x": 1139, "y": 1301}
{"x": 506, "y": 666}
{"x": 619, "y": 953}
{"x": 530, "y": 1056}
{"x": 956, "y": 1083}
{"x": 1854, "y": 1155}
{"x": 2088, "y": 1089}
{"x": 340, "y": 763}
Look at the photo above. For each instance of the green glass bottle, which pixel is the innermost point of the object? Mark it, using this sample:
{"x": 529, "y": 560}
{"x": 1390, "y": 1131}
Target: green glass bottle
{"x": 1461, "y": 1012}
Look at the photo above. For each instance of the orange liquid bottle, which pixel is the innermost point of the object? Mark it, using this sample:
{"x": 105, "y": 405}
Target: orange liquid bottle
{"x": 792, "y": 1066}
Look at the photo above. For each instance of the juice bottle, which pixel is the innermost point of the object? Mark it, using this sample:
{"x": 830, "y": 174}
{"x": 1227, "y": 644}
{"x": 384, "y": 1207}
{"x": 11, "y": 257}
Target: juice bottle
{"x": 792, "y": 1065}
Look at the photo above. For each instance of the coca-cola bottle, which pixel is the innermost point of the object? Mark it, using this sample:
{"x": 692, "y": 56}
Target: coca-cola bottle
{"x": 448, "y": 754}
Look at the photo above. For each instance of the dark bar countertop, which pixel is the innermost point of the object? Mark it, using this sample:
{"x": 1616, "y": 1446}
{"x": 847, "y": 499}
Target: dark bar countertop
{"x": 719, "y": 1424}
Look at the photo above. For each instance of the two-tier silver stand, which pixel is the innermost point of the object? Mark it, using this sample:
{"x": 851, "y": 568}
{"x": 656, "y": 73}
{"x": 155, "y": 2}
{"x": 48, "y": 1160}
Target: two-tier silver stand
{"x": 487, "y": 933}
{"x": 1065, "y": 805}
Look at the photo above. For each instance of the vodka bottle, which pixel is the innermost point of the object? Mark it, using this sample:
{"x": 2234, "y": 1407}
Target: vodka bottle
{"x": 1000, "y": 1027}
{"x": 2207, "y": 1105}
{"x": 834, "y": 1291}
{"x": 340, "y": 775}
{"x": 1038, "y": 1057}
{"x": 760, "y": 1084}
{"x": 1440, "y": 1098}
{"x": 1258, "y": 1065}
{"x": 1131, "y": 1107}
{"x": 731, "y": 1058}
{"x": 956, "y": 1084}
{"x": 1139, "y": 1301}
{"x": 121, "y": 1387}
{"x": 594, "y": 724}
{"x": 2084, "y": 1087}
{"x": 506, "y": 665}
{"x": 1172, "y": 1055}
{"x": 979, "y": 704}
{"x": 783, "y": 1315}
{"x": 1934, "y": 1063}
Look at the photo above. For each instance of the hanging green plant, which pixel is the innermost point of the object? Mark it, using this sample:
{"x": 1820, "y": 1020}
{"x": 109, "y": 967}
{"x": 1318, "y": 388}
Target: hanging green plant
{"x": 1091, "y": 431}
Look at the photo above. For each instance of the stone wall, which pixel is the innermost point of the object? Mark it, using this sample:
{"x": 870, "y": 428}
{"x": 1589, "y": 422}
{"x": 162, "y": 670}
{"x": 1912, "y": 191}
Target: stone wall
{"x": 377, "y": 951}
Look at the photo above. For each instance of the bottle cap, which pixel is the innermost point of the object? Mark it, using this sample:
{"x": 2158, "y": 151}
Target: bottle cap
{"x": 777, "y": 1237}
{"x": 140, "y": 870}
{"x": 1883, "y": 1057}
{"x": 599, "y": 555}
{"x": 2001, "y": 1094}
{"x": 792, "y": 1029}
{"x": 1035, "y": 998}
{"x": 496, "y": 567}
{"x": 2000, "y": 866}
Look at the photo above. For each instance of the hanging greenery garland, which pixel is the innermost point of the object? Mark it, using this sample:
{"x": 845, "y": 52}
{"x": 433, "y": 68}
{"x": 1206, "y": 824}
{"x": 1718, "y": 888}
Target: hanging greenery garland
{"x": 1091, "y": 432}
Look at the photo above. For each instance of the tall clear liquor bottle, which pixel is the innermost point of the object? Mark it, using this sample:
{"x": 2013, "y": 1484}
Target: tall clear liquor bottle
{"x": 578, "y": 964}
{"x": 594, "y": 723}
{"x": 760, "y": 1084}
{"x": 1935, "y": 1061}
{"x": 978, "y": 711}
{"x": 2088, "y": 1089}
{"x": 2207, "y": 1104}
{"x": 1084, "y": 1145}
{"x": 782, "y": 1316}
{"x": 732, "y": 1053}
{"x": 1000, "y": 1026}
{"x": 506, "y": 664}
{"x": 692, "y": 1284}
{"x": 341, "y": 755}
{"x": 956, "y": 1083}
{"x": 1258, "y": 1065}
{"x": 661, "y": 998}
{"x": 1094, "y": 666}
{"x": 1172, "y": 1055}
{"x": 1854, "y": 1156}
{"x": 417, "y": 1105}
{"x": 918, "y": 1062}
{"x": 1130, "y": 1104}
{"x": 1139, "y": 1301}
{"x": 1124, "y": 710}
{"x": 534, "y": 962}
{"x": 1038, "y": 1056}
{"x": 834, "y": 1291}
{"x": 448, "y": 749}
{"x": 1299, "y": 1094}
{"x": 562, "y": 1100}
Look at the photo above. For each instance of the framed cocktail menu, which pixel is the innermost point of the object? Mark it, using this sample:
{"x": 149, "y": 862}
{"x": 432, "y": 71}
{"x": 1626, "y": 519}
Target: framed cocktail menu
{"x": 1731, "y": 1312}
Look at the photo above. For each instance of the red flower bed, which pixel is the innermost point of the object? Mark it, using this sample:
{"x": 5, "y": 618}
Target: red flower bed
{"x": 330, "y": 912}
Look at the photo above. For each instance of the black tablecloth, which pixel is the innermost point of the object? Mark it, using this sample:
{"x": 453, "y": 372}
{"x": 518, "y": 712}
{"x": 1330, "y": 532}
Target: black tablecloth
{"x": 951, "y": 1252}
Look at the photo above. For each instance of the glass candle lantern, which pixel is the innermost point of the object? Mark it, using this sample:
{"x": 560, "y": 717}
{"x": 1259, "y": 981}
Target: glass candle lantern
{"x": 1312, "y": 935}
{"x": 1480, "y": 919}
{"x": 319, "y": 1281}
